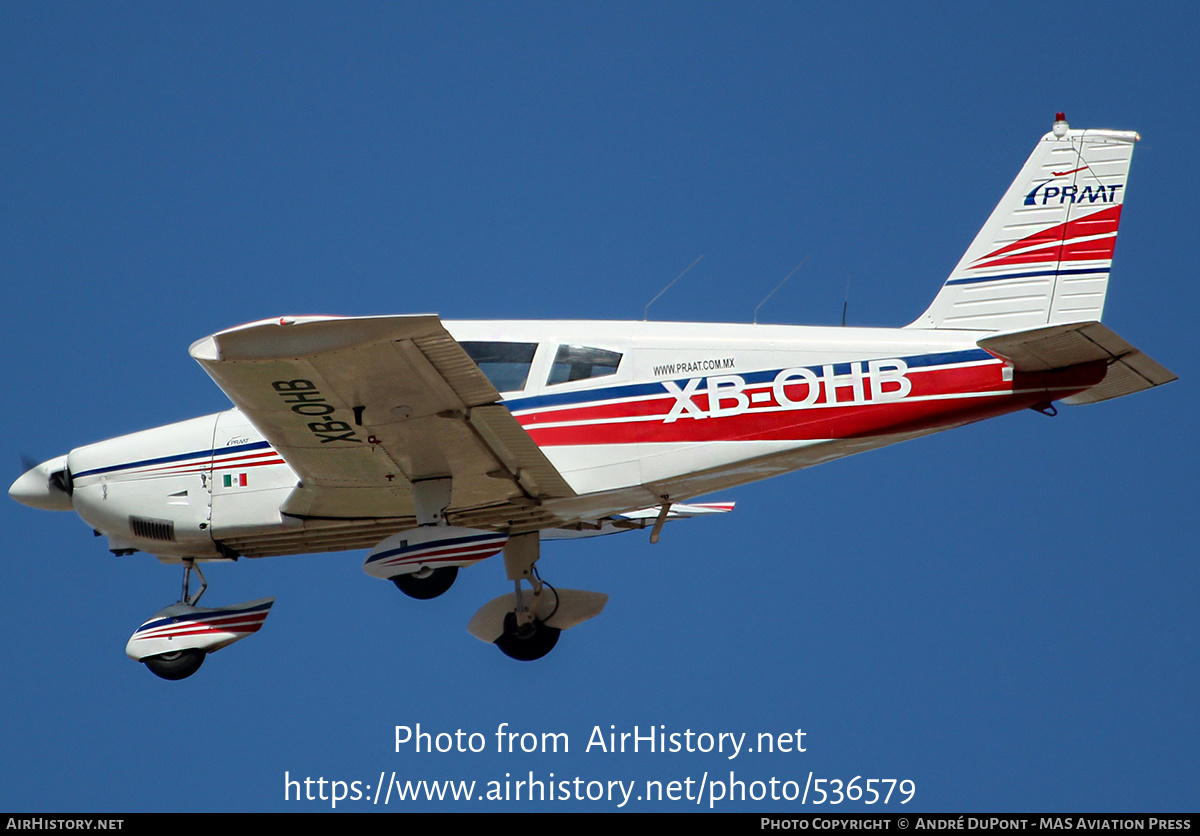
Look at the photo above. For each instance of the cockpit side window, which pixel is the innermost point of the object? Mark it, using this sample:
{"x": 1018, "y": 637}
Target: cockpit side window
{"x": 578, "y": 362}
{"x": 506, "y": 365}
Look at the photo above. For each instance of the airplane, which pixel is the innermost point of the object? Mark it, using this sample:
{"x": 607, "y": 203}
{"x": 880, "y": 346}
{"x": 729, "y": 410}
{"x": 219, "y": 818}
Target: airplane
{"x": 437, "y": 445}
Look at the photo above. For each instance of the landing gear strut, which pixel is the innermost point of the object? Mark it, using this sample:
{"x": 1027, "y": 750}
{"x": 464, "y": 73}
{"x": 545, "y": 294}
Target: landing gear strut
{"x": 526, "y": 635}
{"x": 526, "y": 623}
{"x": 189, "y": 566}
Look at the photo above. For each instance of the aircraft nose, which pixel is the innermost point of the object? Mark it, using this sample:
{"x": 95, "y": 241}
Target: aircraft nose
{"x": 47, "y": 486}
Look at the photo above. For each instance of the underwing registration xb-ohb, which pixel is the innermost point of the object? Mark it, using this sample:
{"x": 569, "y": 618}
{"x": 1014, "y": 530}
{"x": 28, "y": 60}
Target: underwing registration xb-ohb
{"x": 437, "y": 445}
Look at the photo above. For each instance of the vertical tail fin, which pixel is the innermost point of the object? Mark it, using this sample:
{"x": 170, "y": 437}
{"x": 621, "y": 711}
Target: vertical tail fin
{"x": 1044, "y": 255}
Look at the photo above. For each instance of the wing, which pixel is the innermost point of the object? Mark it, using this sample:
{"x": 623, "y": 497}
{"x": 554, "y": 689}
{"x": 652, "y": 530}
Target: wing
{"x": 363, "y": 407}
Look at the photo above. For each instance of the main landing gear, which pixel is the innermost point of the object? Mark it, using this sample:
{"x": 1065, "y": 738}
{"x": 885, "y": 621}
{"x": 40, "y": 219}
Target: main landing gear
{"x": 526, "y": 624}
{"x": 423, "y": 562}
{"x": 174, "y": 642}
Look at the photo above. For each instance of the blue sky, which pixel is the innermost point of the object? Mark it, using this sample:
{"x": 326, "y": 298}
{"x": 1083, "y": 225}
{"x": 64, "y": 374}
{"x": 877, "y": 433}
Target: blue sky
{"x": 1003, "y": 614}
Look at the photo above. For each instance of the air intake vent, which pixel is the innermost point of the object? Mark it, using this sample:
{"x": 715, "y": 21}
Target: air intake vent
{"x": 149, "y": 529}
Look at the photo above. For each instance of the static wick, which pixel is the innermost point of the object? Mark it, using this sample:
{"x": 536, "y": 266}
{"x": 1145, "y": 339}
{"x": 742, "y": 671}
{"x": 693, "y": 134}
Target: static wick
{"x": 781, "y": 284}
{"x": 646, "y": 312}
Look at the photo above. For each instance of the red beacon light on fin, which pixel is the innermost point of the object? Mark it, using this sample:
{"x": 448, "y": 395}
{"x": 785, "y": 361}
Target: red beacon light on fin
{"x": 1060, "y": 125}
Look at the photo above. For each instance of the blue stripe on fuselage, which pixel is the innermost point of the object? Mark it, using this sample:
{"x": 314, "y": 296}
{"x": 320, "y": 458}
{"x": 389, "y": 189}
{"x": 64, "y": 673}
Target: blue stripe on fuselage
{"x": 237, "y": 448}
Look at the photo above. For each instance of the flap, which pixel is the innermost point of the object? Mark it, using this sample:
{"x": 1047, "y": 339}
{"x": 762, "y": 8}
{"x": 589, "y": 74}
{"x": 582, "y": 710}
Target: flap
{"x": 361, "y": 407}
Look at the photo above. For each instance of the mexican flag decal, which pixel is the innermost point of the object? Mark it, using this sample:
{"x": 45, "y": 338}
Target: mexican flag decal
{"x": 237, "y": 480}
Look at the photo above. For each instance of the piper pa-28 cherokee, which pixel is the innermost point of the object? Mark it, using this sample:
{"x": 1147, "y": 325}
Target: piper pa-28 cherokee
{"x": 437, "y": 445}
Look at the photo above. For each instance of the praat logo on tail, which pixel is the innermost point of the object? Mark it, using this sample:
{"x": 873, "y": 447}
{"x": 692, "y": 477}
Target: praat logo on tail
{"x": 436, "y": 445}
{"x": 1045, "y": 193}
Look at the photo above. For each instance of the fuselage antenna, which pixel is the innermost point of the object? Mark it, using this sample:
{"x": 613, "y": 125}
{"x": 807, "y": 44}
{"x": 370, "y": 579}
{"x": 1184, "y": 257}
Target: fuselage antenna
{"x": 846, "y": 301}
{"x": 646, "y": 312}
{"x": 781, "y": 284}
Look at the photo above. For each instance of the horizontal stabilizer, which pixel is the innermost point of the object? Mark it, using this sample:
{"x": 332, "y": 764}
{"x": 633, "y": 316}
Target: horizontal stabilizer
{"x": 1061, "y": 346}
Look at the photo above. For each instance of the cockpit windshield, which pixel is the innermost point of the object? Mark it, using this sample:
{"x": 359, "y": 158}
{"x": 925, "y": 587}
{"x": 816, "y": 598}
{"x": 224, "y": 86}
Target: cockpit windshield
{"x": 506, "y": 365}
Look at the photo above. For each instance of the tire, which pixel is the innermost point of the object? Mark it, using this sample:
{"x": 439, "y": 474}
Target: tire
{"x": 533, "y": 642}
{"x": 179, "y": 664}
{"x": 430, "y": 586}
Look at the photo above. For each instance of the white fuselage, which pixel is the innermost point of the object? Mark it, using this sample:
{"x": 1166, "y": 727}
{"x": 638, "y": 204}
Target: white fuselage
{"x": 628, "y": 412}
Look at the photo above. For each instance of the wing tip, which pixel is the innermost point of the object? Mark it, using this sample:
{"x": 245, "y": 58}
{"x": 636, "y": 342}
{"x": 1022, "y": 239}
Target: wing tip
{"x": 204, "y": 350}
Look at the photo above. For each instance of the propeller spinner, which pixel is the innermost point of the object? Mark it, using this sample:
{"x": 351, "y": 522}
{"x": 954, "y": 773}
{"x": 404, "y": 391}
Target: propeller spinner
{"x": 47, "y": 486}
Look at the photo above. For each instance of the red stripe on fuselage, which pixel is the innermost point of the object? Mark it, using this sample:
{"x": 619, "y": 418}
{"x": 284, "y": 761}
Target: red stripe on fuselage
{"x": 201, "y": 465}
{"x": 654, "y": 411}
{"x": 939, "y": 398}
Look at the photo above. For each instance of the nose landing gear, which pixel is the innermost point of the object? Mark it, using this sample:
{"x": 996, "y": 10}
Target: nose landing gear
{"x": 174, "y": 642}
